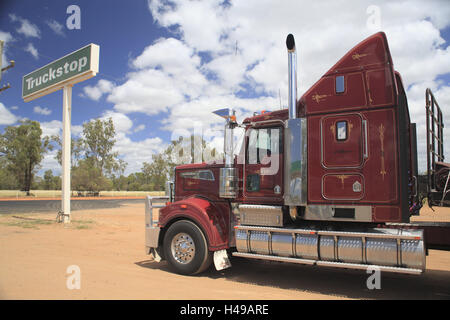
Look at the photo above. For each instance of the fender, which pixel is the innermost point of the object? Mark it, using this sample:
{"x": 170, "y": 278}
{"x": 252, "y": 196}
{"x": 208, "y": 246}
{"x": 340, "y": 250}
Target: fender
{"x": 212, "y": 218}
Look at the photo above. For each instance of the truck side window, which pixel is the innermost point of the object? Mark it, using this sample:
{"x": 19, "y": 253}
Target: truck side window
{"x": 340, "y": 84}
{"x": 253, "y": 181}
{"x": 341, "y": 132}
{"x": 263, "y": 142}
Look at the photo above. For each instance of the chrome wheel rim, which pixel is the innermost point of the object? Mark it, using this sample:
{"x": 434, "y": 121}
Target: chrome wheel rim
{"x": 183, "y": 248}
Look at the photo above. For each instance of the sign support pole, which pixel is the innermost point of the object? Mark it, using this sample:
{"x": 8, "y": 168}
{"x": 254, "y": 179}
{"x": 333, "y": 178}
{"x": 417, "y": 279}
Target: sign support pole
{"x": 66, "y": 152}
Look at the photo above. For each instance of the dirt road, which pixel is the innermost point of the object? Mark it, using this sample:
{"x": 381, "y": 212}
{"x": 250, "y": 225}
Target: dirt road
{"x": 108, "y": 247}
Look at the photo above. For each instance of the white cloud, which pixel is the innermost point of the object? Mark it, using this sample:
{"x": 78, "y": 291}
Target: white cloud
{"x": 43, "y": 111}
{"x": 76, "y": 130}
{"x": 324, "y": 32}
{"x": 54, "y": 127}
{"x": 49, "y": 162}
{"x": 169, "y": 54}
{"x": 139, "y": 128}
{"x": 51, "y": 128}
{"x": 6, "y": 37}
{"x": 147, "y": 91}
{"x": 244, "y": 57}
{"x": 201, "y": 23}
{"x": 26, "y": 28}
{"x": 232, "y": 54}
{"x": 32, "y": 50}
{"x": 122, "y": 124}
{"x": 56, "y": 27}
{"x": 133, "y": 152}
{"x": 166, "y": 73}
{"x": 6, "y": 116}
{"x": 96, "y": 92}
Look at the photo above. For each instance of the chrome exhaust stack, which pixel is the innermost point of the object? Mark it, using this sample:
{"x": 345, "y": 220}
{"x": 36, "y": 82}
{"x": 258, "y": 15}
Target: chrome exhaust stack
{"x": 295, "y": 138}
{"x": 292, "y": 70}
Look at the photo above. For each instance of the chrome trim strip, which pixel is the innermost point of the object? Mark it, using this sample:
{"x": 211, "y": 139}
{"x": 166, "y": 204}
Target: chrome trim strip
{"x": 334, "y": 233}
{"x": 367, "y": 266}
{"x": 259, "y": 207}
{"x": 273, "y": 258}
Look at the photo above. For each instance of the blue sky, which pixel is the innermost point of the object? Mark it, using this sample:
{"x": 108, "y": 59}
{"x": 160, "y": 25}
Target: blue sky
{"x": 122, "y": 32}
{"x": 165, "y": 65}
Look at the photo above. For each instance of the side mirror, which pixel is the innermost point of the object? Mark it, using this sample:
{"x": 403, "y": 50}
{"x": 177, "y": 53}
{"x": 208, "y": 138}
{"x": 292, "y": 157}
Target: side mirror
{"x": 227, "y": 113}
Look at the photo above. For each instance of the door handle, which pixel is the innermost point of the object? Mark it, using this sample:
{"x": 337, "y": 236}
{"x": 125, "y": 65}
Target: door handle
{"x": 366, "y": 142}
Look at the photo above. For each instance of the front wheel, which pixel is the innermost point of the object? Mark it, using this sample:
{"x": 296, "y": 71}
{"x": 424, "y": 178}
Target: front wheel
{"x": 186, "y": 249}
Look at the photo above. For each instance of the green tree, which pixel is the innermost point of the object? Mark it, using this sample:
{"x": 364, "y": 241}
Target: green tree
{"x": 95, "y": 166}
{"x": 87, "y": 177}
{"x": 157, "y": 172}
{"x": 183, "y": 150}
{"x": 98, "y": 142}
{"x": 75, "y": 150}
{"x": 24, "y": 149}
{"x": 7, "y": 180}
{"x": 118, "y": 178}
{"x": 51, "y": 182}
{"x": 135, "y": 181}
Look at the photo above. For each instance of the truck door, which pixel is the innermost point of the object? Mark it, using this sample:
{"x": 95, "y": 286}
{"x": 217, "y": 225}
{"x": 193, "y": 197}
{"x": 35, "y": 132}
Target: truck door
{"x": 342, "y": 141}
{"x": 263, "y": 169}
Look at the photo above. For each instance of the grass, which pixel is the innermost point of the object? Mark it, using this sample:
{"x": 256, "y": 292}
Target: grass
{"x": 34, "y": 223}
{"x": 28, "y": 223}
{"x": 82, "y": 224}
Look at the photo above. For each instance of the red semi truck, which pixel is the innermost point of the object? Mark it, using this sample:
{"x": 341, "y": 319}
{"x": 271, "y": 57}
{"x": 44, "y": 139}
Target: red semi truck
{"x": 331, "y": 181}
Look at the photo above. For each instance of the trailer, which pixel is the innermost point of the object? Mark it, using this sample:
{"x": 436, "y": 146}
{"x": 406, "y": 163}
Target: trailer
{"x": 330, "y": 181}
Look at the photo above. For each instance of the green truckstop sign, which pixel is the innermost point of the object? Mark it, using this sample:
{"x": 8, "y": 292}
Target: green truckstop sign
{"x": 72, "y": 68}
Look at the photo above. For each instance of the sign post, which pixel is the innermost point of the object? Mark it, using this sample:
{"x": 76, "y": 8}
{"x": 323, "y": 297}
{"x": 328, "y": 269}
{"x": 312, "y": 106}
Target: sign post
{"x": 63, "y": 73}
{"x": 66, "y": 154}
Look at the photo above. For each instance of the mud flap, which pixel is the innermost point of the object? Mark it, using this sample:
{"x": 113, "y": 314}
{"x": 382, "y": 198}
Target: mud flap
{"x": 155, "y": 255}
{"x": 221, "y": 260}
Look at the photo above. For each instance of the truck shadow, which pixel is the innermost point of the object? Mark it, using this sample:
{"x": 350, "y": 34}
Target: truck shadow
{"x": 434, "y": 284}
{"x": 152, "y": 264}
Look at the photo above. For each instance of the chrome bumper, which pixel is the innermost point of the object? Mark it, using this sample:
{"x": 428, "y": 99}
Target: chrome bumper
{"x": 151, "y": 237}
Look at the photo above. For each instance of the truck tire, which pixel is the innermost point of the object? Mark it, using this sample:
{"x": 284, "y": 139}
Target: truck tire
{"x": 186, "y": 249}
